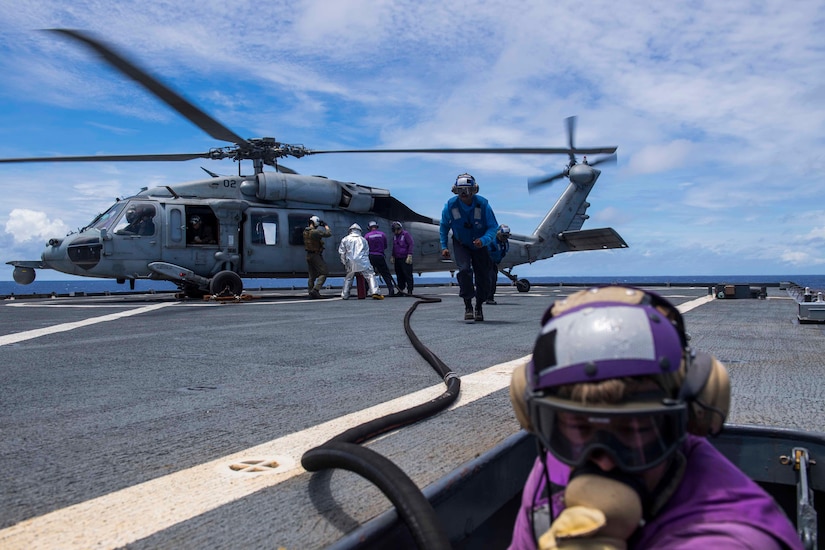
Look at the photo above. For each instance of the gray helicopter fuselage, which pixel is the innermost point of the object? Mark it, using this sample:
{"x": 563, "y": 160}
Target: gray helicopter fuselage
{"x": 257, "y": 224}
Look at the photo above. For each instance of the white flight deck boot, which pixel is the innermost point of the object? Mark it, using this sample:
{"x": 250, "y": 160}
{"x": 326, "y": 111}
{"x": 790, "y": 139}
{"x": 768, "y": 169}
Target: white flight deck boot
{"x": 373, "y": 282}
{"x": 346, "y": 289}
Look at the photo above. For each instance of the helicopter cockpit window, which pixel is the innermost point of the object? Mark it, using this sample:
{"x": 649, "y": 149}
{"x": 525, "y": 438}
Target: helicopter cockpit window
{"x": 138, "y": 220}
{"x": 264, "y": 229}
{"x": 104, "y": 220}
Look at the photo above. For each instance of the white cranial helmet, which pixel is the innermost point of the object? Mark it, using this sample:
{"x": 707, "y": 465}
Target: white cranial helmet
{"x": 465, "y": 184}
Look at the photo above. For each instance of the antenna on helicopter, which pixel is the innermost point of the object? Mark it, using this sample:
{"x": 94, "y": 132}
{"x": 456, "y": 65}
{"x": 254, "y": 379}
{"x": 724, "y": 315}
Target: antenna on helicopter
{"x": 575, "y": 172}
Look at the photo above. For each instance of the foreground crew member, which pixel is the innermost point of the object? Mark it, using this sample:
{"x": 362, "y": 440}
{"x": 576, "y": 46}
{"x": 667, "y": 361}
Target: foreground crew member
{"x": 620, "y": 406}
{"x": 378, "y": 245}
{"x": 498, "y": 249}
{"x": 314, "y": 234}
{"x": 474, "y": 226}
{"x": 354, "y": 252}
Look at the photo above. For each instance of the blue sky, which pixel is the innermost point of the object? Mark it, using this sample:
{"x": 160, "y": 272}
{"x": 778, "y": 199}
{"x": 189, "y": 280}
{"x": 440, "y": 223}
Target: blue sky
{"x": 717, "y": 110}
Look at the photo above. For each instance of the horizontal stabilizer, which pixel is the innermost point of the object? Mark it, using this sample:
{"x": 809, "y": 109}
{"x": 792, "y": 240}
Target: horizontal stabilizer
{"x": 592, "y": 239}
{"x": 33, "y": 264}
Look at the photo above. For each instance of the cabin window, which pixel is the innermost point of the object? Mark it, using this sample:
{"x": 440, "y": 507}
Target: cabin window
{"x": 265, "y": 229}
{"x": 176, "y": 225}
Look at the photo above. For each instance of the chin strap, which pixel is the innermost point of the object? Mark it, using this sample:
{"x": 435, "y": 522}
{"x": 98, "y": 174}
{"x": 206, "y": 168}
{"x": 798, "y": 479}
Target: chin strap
{"x": 668, "y": 485}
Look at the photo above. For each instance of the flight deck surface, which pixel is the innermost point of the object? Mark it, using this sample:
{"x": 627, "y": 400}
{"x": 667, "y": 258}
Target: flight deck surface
{"x": 148, "y": 422}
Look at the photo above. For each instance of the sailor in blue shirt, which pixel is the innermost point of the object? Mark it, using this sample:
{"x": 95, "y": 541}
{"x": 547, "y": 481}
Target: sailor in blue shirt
{"x": 498, "y": 249}
{"x": 473, "y": 224}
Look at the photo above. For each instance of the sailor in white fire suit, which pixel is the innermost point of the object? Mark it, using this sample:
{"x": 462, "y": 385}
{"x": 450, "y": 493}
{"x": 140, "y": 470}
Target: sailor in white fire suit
{"x": 354, "y": 251}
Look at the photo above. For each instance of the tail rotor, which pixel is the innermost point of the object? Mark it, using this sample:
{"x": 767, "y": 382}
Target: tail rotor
{"x": 581, "y": 174}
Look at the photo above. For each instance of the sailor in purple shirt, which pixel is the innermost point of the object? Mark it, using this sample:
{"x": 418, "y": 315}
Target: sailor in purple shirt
{"x": 620, "y": 406}
{"x": 402, "y": 257}
{"x": 378, "y": 245}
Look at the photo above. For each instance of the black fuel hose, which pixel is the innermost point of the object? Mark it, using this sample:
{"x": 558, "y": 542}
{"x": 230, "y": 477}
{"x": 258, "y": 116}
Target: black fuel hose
{"x": 343, "y": 451}
{"x": 374, "y": 428}
{"x": 411, "y": 504}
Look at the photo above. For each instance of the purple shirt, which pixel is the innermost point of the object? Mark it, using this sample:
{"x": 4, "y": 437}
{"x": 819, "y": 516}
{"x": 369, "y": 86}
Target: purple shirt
{"x": 402, "y": 244}
{"x": 715, "y": 506}
{"x": 377, "y": 241}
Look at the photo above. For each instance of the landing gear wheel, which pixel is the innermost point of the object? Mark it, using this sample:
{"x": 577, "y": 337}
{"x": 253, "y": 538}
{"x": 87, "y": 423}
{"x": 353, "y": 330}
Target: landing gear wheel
{"x": 523, "y": 285}
{"x": 226, "y": 283}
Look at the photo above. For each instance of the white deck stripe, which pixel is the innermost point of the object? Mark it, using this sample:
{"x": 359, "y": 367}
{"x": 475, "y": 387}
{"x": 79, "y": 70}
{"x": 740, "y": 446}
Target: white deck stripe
{"x": 693, "y": 304}
{"x": 137, "y": 512}
{"x": 36, "y": 333}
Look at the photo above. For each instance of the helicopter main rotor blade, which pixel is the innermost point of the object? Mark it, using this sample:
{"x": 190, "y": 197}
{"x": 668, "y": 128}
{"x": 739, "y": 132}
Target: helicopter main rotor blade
{"x": 198, "y": 117}
{"x": 284, "y": 169}
{"x": 481, "y": 150}
{"x": 110, "y": 158}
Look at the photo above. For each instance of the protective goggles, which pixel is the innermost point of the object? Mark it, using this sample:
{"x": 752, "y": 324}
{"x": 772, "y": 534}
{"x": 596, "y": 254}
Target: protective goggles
{"x": 637, "y": 435}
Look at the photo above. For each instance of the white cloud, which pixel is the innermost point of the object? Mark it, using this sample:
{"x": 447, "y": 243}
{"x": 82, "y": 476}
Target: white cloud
{"x": 660, "y": 158}
{"x": 716, "y": 108}
{"x": 802, "y": 258}
{"x": 27, "y": 225}
{"x": 816, "y": 234}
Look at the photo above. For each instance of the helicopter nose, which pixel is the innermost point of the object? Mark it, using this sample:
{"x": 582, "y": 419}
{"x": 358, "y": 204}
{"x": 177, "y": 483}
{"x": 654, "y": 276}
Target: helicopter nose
{"x": 54, "y": 255}
{"x": 82, "y": 252}
{"x": 85, "y": 252}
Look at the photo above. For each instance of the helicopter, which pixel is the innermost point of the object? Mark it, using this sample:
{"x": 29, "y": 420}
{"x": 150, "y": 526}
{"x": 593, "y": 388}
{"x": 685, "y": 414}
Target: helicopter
{"x": 257, "y": 220}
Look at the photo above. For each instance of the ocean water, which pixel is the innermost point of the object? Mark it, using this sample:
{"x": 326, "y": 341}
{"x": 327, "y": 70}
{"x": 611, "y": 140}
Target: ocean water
{"x": 100, "y": 286}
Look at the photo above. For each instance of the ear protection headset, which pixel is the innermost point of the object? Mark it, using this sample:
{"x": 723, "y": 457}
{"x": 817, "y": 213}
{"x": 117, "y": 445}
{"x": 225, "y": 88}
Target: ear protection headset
{"x": 702, "y": 380}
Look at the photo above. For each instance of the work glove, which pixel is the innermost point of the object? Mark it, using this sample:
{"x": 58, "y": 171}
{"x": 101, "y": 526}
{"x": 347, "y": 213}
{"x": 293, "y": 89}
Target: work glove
{"x": 392, "y": 259}
{"x": 601, "y": 513}
{"x": 409, "y": 259}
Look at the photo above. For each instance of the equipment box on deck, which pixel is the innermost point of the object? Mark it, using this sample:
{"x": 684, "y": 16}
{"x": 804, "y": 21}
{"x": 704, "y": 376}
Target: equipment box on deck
{"x": 812, "y": 312}
{"x": 731, "y": 292}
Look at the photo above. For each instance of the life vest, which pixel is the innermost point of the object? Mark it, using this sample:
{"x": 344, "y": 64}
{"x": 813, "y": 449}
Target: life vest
{"x": 312, "y": 241}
